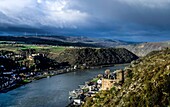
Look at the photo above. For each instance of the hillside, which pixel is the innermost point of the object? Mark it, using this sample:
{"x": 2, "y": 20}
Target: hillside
{"x": 41, "y": 41}
{"x": 96, "y": 57}
{"x": 147, "y": 85}
{"x": 145, "y": 48}
{"x": 64, "y": 41}
{"x": 96, "y": 42}
{"x": 74, "y": 56}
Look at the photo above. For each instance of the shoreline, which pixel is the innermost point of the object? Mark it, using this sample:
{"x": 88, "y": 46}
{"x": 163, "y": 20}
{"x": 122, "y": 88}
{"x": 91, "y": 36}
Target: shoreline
{"x": 78, "y": 100}
{"x": 57, "y": 72}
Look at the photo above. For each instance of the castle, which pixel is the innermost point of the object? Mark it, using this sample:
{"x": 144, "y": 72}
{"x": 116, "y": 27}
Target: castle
{"x": 109, "y": 80}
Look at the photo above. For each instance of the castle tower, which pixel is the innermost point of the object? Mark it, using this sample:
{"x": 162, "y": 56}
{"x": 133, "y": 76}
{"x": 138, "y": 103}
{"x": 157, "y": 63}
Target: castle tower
{"x": 120, "y": 76}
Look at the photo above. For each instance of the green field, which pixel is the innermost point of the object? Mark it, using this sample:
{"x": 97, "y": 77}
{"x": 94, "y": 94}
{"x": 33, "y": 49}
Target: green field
{"x": 38, "y": 48}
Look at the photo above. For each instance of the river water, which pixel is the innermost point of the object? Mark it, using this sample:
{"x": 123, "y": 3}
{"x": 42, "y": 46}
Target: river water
{"x": 49, "y": 92}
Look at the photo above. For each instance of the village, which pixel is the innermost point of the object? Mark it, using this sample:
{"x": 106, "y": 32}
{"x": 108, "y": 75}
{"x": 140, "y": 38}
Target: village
{"x": 19, "y": 69}
{"x": 15, "y": 70}
{"x": 101, "y": 82}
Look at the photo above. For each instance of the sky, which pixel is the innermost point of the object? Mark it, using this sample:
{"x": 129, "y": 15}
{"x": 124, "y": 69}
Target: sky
{"x": 129, "y": 20}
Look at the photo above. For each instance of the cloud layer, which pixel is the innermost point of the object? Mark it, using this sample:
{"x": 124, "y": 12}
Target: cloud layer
{"x": 53, "y": 13}
{"x": 112, "y": 18}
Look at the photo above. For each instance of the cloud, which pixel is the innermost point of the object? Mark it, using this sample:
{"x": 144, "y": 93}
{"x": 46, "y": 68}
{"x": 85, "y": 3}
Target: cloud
{"x": 58, "y": 12}
{"x": 53, "y": 13}
{"x": 100, "y": 17}
{"x": 67, "y": 13}
{"x": 148, "y": 3}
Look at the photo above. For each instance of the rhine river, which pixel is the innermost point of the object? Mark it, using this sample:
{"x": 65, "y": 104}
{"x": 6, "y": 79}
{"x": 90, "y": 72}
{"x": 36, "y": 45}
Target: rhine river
{"x": 50, "y": 92}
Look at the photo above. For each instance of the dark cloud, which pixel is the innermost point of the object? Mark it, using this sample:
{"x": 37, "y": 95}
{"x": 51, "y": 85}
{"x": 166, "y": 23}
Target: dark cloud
{"x": 119, "y": 19}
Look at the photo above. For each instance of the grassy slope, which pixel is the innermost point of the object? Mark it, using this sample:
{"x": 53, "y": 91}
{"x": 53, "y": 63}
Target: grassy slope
{"x": 147, "y": 85}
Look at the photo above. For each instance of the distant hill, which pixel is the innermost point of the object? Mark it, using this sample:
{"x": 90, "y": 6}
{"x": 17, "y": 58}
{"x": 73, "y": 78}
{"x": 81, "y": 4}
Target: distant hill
{"x": 96, "y": 57}
{"x": 143, "y": 49}
{"x": 147, "y": 84}
{"x": 138, "y": 48}
{"x": 65, "y": 41}
{"x": 98, "y": 42}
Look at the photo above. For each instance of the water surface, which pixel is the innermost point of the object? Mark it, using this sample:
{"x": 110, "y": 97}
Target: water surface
{"x": 49, "y": 92}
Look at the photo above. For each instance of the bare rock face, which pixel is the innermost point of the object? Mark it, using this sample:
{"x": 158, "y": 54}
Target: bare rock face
{"x": 96, "y": 57}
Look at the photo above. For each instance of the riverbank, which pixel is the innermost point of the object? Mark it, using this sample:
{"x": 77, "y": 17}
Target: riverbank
{"x": 46, "y": 74}
{"x": 50, "y": 73}
{"x": 102, "y": 82}
{"x": 55, "y": 89}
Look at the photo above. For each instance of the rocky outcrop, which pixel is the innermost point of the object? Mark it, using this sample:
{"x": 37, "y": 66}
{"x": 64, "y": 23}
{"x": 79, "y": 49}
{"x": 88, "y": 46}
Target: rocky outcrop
{"x": 96, "y": 57}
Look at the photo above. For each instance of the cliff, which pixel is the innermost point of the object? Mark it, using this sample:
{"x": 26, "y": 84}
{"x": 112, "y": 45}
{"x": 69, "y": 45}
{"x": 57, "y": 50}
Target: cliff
{"x": 96, "y": 57}
{"x": 147, "y": 85}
